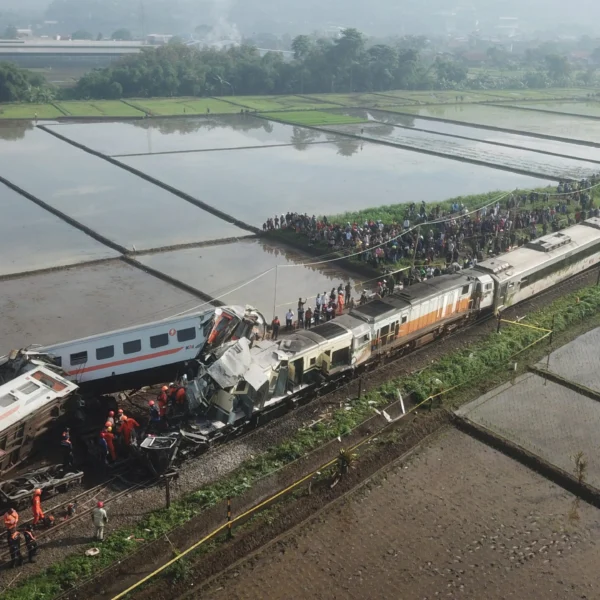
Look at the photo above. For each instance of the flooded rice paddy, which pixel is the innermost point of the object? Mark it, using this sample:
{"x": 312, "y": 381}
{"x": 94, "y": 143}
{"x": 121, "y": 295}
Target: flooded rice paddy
{"x": 217, "y": 270}
{"x": 568, "y": 127}
{"x": 36, "y": 239}
{"x": 150, "y": 136}
{"x": 82, "y": 301}
{"x": 513, "y": 158}
{"x": 587, "y": 109}
{"x": 525, "y": 141}
{"x": 321, "y": 179}
{"x": 104, "y": 197}
{"x": 248, "y": 168}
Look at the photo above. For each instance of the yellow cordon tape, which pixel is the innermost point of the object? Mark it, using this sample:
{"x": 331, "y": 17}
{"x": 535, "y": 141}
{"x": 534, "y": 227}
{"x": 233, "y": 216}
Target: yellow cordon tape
{"x": 525, "y": 325}
{"x": 306, "y": 477}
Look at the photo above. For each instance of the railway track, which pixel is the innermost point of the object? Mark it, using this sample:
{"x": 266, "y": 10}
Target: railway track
{"x": 386, "y": 364}
{"x": 85, "y": 502}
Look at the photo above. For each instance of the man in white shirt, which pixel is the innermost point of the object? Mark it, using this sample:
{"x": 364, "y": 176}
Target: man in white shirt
{"x": 289, "y": 319}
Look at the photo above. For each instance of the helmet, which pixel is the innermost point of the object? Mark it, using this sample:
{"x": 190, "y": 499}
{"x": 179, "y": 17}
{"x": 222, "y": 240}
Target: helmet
{"x": 172, "y": 385}
{"x": 120, "y": 411}
{"x": 100, "y": 504}
{"x": 164, "y": 388}
{"x": 37, "y": 492}
{"x": 109, "y": 429}
{"x": 151, "y": 403}
{"x": 124, "y": 418}
{"x": 108, "y": 424}
{"x": 111, "y": 413}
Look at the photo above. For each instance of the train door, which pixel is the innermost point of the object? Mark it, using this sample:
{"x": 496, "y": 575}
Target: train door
{"x": 297, "y": 371}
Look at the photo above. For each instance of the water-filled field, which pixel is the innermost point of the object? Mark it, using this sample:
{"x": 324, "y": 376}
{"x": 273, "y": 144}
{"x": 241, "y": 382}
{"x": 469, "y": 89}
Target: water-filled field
{"x": 569, "y": 127}
{"x": 106, "y": 198}
{"x": 150, "y": 136}
{"x": 587, "y": 109}
{"x": 35, "y": 239}
{"x": 217, "y": 270}
{"x": 570, "y": 150}
{"x": 321, "y": 179}
{"x": 514, "y": 158}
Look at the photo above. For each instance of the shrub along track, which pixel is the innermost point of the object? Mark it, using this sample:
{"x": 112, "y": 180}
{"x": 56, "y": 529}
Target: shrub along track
{"x": 223, "y": 460}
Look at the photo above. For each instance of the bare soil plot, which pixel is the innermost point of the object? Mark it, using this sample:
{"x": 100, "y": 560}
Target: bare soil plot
{"x": 457, "y": 520}
{"x": 544, "y": 418}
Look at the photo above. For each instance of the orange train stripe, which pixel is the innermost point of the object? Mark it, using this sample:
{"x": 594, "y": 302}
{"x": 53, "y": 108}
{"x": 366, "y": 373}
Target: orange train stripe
{"x": 9, "y": 412}
{"x": 125, "y": 361}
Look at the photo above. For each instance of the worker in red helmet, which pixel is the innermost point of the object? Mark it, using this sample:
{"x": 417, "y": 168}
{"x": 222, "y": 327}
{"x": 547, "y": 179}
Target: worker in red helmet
{"x": 111, "y": 418}
{"x": 36, "y": 507}
{"x": 99, "y": 519}
{"x": 129, "y": 424}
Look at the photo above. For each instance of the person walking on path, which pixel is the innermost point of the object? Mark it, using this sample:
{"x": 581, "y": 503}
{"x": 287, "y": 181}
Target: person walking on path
{"x": 99, "y": 519}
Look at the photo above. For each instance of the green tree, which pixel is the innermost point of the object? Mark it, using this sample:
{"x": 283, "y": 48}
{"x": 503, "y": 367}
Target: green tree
{"x": 11, "y": 33}
{"x": 122, "y": 35}
{"x": 301, "y": 46}
{"x": 81, "y": 34}
{"x": 557, "y": 66}
{"x": 450, "y": 72}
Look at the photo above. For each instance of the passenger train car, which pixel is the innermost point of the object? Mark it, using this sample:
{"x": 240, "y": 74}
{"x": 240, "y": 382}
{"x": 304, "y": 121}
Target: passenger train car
{"x": 144, "y": 354}
{"x": 244, "y": 380}
{"x": 29, "y": 404}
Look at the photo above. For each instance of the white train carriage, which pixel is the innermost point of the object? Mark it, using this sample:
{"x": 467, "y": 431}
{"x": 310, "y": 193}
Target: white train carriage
{"x": 29, "y": 404}
{"x": 543, "y": 263}
{"x": 142, "y": 354}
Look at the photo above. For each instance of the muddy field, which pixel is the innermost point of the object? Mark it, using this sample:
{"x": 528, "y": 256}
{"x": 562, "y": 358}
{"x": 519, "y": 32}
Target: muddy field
{"x": 456, "y": 520}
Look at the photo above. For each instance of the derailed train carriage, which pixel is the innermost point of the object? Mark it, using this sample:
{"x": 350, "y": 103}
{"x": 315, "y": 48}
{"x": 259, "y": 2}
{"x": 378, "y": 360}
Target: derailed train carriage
{"x": 42, "y": 385}
{"x": 242, "y": 381}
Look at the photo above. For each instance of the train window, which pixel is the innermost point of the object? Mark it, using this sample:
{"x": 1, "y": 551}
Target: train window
{"x": 184, "y": 335}
{"x": 132, "y": 347}
{"x": 313, "y": 361}
{"x": 404, "y": 319}
{"x": 78, "y": 358}
{"x": 105, "y": 352}
{"x": 465, "y": 290}
{"x": 28, "y": 388}
{"x": 488, "y": 287}
{"x": 58, "y": 361}
{"x": 156, "y": 341}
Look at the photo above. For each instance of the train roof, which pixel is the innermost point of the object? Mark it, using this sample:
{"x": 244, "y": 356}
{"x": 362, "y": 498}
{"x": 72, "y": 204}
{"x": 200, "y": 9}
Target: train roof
{"x": 30, "y": 392}
{"x": 542, "y": 250}
{"x": 378, "y": 309}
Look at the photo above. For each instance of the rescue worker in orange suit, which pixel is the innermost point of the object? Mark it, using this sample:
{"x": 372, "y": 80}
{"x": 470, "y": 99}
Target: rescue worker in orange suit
{"x": 11, "y": 520}
{"x": 67, "y": 446}
{"x": 163, "y": 402}
{"x": 36, "y": 507}
{"x": 30, "y": 542}
{"x": 14, "y": 544}
{"x": 109, "y": 436}
{"x": 129, "y": 424}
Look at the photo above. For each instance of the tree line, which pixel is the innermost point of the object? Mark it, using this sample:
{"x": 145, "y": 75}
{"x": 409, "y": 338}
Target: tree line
{"x": 341, "y": 65}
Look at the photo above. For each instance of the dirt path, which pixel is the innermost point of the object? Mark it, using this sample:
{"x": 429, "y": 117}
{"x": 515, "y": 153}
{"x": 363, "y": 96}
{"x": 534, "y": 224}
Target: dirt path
{"x": 458, "y": 520}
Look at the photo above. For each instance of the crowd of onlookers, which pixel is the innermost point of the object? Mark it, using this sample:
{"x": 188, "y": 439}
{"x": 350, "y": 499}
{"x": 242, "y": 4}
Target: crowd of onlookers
{"x": 436, "y": 235}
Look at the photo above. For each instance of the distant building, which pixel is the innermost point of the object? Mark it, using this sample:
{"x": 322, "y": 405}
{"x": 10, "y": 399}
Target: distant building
{"x": 158, "y": 39}
{"x": 507, "y": 27}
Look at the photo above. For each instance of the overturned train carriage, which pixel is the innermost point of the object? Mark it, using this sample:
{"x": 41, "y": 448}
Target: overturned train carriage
{"x": 29, "y": 405}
